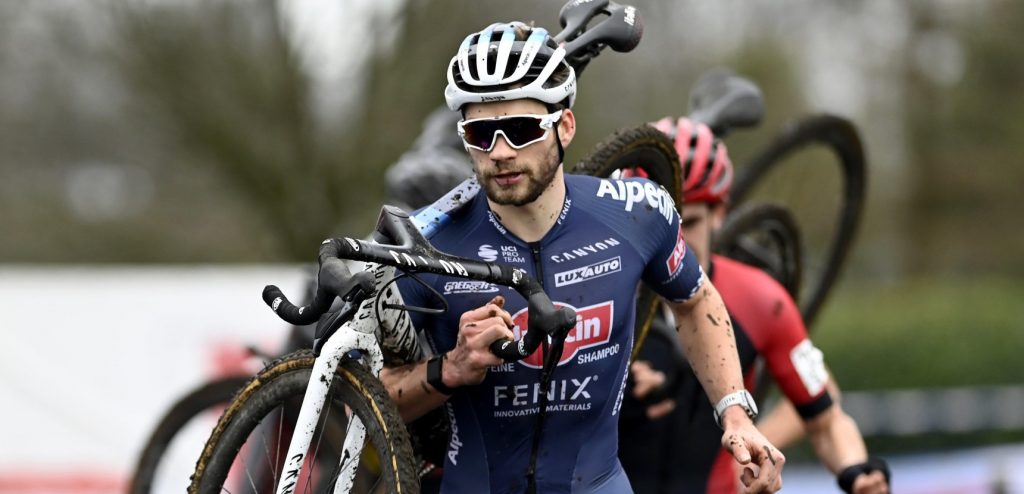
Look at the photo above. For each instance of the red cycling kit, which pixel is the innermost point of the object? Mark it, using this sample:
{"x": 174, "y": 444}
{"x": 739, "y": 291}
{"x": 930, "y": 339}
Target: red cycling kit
{"x": 682, "y": 452}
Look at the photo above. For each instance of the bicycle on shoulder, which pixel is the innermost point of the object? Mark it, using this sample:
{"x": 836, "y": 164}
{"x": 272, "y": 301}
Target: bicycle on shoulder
{"x": 343, "y": 405}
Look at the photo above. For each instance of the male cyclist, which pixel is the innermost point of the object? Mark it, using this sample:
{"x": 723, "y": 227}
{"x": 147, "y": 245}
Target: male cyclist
{"x": 590, "y": 242}
{"x": 668, "y": 446}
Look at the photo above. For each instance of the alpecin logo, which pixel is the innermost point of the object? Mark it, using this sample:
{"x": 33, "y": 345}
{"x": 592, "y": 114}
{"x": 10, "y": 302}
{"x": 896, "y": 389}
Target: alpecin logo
{"x": 636, "y": 192}
{"x": 589, "y": 272}
{"x": 593, "y": 328}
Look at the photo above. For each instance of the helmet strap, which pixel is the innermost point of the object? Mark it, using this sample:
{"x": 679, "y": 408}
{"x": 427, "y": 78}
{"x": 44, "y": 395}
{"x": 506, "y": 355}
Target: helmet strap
{"x": 558, "y": 142}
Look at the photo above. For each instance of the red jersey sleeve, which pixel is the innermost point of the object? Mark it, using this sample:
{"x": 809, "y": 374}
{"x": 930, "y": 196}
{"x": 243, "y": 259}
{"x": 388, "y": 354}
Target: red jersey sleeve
{"x": 773, "y": 323}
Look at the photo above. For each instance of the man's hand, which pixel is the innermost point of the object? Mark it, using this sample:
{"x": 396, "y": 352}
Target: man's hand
{"x": 646, "y": 380}
{"x": 871, "y": 483}
{"x": 762, "y": 463}
{"x": 468, "y": 362}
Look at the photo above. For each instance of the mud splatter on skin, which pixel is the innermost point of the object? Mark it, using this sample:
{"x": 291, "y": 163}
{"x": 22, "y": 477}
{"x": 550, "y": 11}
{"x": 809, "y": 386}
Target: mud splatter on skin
{"x": 768, "y": 451}
{"x": 712, "y": 319}
{"x": 399, "y": 392}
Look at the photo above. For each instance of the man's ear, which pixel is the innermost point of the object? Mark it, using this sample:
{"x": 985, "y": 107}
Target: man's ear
{"x": 718, "y": 213}
{"x": 567, "y": 127}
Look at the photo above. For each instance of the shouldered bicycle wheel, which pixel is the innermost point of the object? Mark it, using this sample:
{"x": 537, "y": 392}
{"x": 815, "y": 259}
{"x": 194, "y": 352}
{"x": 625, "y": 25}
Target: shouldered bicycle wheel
{"x": 814, "y": 168}
{"x": 646, "y": 148}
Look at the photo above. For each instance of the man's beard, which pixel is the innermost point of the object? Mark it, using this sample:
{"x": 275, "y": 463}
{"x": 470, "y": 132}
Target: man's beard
{"x": 535, "y": 181}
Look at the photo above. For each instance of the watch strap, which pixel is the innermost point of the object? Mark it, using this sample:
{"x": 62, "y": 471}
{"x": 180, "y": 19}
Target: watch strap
{"x": 741, "y": 398}
{"x": 434, "y": 375}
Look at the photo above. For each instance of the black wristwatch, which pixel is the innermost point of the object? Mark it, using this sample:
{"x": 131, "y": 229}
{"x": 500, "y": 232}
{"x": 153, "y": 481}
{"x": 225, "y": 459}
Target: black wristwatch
{"x": 434, "y": 375}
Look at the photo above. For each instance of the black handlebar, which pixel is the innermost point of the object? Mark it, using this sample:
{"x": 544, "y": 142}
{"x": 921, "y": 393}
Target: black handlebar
{"x": 400, "y": 244}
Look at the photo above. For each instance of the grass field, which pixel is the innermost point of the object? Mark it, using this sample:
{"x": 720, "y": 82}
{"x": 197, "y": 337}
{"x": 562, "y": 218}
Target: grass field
{"x": 925, "y": 333}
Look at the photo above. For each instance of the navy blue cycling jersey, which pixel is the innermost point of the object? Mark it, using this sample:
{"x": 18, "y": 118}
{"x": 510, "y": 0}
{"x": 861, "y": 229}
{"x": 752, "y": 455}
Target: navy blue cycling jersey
{"x": 610, "y": 235}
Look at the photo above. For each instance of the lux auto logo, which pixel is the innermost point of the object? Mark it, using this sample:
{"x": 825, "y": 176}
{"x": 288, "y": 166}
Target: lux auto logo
{"x": 589, "y": 272}
{"x": 593, "y": 328}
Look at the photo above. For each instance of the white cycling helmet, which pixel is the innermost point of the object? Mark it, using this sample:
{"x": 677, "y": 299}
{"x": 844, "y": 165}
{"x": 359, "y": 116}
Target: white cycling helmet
{"x": 492, "y": 65}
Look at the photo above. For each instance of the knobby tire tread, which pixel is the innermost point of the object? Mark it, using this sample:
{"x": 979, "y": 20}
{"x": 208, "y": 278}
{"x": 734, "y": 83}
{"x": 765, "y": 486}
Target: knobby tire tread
{"x": 387, "y": 426}
{"x": 216, "y": 392}
{"x": 749, "y": 217}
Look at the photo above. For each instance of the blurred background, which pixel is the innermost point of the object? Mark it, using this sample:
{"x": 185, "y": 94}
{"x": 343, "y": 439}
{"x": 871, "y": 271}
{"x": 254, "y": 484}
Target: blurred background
{"x": 162, "y": 160}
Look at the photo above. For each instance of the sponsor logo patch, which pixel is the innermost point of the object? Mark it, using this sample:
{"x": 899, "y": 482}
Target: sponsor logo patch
{"x": 510, "y": 254}
{"x": 675, "y": 260}
{"x": 565, "y": 395}
{"x": 586, "y": 250}
{"x": 487, "y": 253}
{"x": 469, "y": 287}
{"x": 635, "y": 192}
{"x": 593, "y": 328}
{"x": 589, "y": 272}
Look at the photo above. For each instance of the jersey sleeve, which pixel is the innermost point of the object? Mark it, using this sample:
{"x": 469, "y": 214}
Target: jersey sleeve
{"x": 672, "y": 269}
{"x": 793, "y": 360}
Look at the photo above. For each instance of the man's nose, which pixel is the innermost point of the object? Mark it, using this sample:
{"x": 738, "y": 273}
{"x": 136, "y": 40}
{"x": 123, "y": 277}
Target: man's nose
{"x": 502, "y": 150}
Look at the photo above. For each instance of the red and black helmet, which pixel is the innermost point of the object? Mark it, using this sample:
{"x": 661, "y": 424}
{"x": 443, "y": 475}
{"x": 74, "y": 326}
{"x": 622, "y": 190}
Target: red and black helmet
{"x": 707, "y": 170}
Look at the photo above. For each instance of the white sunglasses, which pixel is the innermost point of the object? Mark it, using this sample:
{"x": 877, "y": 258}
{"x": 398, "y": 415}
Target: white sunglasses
{"x": 519, "y": 131}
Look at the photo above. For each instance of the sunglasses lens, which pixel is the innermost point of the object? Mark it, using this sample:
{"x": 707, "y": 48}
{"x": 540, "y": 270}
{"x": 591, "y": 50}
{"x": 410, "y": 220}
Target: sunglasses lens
{"x": 480, "y": 134}
{"x": 520, "y": 131}
{"x": 523, "y": 130}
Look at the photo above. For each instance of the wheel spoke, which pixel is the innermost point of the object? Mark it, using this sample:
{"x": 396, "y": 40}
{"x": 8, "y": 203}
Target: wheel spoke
{"x": 266, "y": 451}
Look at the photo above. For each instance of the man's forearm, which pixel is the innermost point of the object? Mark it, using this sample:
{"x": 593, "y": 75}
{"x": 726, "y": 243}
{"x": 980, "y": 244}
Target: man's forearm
{"x": 706, "y": 334}
{"x": 408, "y": 387}
{"x": 836, "y": 439}
{"x": 782, "y": 425}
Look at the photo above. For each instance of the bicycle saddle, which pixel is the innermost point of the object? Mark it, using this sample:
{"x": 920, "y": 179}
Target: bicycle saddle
{"x": 724, "y": 101}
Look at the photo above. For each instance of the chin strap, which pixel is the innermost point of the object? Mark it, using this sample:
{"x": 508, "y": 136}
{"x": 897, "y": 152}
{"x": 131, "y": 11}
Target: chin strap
{"x": 558, "y": 142}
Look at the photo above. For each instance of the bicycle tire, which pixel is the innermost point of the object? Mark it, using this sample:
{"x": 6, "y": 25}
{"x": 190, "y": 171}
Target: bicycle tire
{"x": 199, "y": 400}
{"x": 840, "y": 136}
{"x": 767, "y": 219}
{"x": 284, "y": 381}
{"x": 648, "y": 148}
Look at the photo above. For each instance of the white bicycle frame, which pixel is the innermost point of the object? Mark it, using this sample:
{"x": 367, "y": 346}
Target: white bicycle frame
{"x": 365, "y": 333}
{"x": 360, "y": 334}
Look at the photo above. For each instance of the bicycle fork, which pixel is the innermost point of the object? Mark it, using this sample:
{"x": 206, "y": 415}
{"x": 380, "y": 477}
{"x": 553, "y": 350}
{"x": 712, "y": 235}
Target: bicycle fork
{"x": 317, "y": 391}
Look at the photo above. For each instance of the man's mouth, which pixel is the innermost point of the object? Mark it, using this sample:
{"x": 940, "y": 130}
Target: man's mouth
{"x": 509, "y": 178}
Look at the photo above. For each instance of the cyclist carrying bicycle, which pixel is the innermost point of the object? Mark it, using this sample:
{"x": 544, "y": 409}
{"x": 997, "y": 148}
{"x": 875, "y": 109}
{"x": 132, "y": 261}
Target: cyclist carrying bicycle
{"x": 670, "y": 446}
{"x": 590, "y": 242}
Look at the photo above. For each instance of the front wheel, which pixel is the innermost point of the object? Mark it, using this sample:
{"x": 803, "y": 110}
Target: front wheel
{"x": 245, "y": 452}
